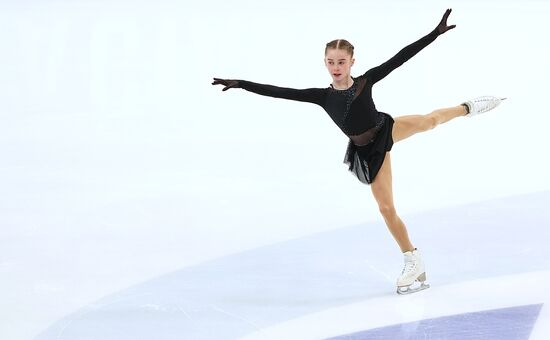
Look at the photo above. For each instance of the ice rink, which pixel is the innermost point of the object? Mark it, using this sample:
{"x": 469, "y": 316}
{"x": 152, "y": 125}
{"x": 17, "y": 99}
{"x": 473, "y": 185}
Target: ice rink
{"x": 140, "y": 202}
{"x": 487, "y": 284}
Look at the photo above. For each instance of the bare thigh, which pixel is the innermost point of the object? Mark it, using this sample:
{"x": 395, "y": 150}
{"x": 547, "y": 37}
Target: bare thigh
{"x": 382, "y": 185}
{"x": 406, "y": 126}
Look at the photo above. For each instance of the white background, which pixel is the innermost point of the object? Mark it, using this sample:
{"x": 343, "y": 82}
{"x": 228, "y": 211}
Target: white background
{"x": 119, "y": 161}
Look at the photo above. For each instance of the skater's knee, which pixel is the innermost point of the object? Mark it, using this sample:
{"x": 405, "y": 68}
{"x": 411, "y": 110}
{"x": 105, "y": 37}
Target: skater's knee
{"x": 387, "y": 210}
{"x": 431, "y": 121}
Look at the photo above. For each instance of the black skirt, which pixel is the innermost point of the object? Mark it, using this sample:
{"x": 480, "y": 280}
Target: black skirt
{"x": 365, "y": 161}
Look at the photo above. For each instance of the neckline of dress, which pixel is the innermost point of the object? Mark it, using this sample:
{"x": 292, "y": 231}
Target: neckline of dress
{"x": 349, "y": 88}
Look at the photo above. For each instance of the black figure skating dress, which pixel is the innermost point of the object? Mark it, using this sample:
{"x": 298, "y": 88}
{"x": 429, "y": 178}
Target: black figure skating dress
{"x": 353, "y": 110}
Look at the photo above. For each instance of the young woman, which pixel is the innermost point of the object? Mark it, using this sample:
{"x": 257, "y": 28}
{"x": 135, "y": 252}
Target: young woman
{"x": 348, "y": 101}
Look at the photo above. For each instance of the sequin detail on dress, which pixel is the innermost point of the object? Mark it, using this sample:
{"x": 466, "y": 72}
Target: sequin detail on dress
{"x": 348, "y": 95}
{"x": 368, "y": 136}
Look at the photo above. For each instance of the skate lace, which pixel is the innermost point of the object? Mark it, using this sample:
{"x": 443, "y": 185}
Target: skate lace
{"x": 486, "y": 103}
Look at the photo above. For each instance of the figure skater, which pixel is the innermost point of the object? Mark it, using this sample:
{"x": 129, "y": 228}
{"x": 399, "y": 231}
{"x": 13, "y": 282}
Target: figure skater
{"x": 348, "y": 101}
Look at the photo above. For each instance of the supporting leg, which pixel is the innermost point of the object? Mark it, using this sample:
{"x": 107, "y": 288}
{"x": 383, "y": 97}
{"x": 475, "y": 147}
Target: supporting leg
{"x": 383, "y": 193}
{"x": 413, "y": 270}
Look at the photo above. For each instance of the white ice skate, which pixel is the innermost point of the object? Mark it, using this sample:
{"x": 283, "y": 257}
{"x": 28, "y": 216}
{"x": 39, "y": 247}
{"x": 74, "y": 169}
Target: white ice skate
{"x": 482, "y": 105}
{"x": 412, "y": 272}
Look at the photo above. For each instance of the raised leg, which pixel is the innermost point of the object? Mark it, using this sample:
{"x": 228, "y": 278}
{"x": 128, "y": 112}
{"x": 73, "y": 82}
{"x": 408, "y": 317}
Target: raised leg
{"x": 407, "y": 126}
{"x": 383, "y": 193}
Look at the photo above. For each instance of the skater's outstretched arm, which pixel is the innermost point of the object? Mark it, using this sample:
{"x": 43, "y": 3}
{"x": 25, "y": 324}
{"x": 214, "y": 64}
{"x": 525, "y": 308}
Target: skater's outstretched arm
{"x": 311, "y": 95}
{"x": 379, "y": 72}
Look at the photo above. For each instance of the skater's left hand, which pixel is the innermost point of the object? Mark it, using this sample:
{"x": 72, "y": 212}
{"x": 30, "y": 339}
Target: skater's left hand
{"x": 442, "y": 27}
{"x": 228, "y": 83}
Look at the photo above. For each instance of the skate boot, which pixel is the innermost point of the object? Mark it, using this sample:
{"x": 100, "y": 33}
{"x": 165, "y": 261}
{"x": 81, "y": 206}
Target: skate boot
{"x": 412, "y": 272}
{"x": 481, "y": 105}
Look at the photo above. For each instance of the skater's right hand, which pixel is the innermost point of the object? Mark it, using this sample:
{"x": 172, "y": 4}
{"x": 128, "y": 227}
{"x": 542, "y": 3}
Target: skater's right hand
{"x": 228, "y": 83}
{"x": 443, "y": 27}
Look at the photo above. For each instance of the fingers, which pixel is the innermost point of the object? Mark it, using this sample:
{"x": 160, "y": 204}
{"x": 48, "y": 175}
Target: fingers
{"x": 227, "y": 83}
{"x": 443, "y": 24}
{"x": 217, "y": 81}
{"x": 446, "y": 15}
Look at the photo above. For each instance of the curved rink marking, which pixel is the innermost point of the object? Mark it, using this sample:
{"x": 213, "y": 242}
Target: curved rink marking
{"x": 244, "y": 293}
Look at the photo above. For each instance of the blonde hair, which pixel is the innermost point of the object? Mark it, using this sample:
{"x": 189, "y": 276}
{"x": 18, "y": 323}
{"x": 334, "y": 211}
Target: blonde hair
{"x": 340, "y": 44}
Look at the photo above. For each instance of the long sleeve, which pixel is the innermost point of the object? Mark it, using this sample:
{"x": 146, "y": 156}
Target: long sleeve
{"x": 311, "y": 95}
{"x": 379, "y": 72}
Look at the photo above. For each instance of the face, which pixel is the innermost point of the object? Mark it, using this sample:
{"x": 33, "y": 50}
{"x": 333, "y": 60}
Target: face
{"x": 338, "y": 63}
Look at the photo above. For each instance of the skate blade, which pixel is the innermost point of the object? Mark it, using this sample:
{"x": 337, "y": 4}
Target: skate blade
{"x": 408, "y": 290}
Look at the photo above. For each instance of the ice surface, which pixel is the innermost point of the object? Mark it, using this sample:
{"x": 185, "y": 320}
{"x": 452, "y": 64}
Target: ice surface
{"x": 249, "y": 292}
{"x": 514, "y": 323}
